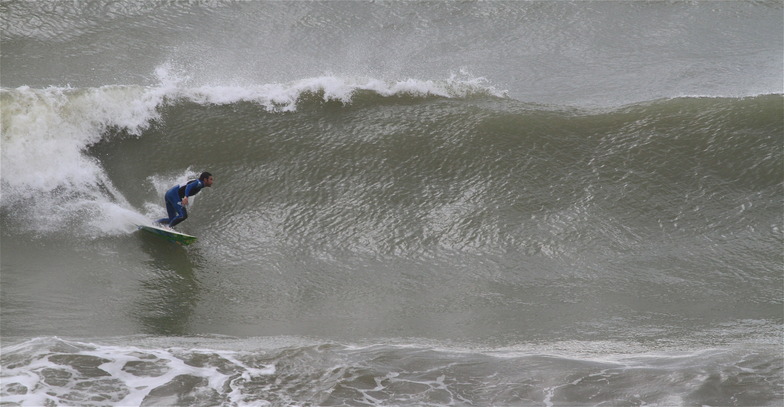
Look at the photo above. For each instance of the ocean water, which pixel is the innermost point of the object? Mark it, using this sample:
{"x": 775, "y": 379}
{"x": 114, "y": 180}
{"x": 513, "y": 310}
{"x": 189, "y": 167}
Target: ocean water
{"x": 415, "y": 203}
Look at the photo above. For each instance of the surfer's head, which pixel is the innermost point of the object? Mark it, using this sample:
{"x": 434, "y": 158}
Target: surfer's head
{"x": 206, "y": 178}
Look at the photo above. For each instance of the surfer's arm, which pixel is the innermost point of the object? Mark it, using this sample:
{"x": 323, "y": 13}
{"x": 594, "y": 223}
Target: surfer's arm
{"x": 189, "y": 191}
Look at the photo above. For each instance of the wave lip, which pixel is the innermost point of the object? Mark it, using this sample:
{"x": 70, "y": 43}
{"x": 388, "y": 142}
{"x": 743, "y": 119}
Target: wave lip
{"x": 284, "y": 97}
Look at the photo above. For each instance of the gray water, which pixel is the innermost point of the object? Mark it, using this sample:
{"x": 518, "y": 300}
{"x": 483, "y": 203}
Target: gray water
{"x": 506, "y": 203}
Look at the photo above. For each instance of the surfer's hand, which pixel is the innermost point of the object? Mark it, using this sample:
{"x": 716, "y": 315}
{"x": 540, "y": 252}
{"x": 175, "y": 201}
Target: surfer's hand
{"x": 185, "y": 200}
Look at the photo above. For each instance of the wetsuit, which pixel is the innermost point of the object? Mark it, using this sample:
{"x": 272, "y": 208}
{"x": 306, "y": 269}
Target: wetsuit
{"x": 174, "y": 207}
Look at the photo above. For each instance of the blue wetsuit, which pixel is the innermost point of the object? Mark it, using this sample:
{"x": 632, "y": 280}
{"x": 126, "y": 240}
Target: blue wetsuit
{"x": 174, "y": 207}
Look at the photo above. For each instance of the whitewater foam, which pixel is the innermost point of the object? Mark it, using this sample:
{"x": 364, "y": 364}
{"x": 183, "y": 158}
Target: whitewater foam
{"x": 46, "y": 175}
{"x": 199, "y": 371}
{"x": 134, "y": 374}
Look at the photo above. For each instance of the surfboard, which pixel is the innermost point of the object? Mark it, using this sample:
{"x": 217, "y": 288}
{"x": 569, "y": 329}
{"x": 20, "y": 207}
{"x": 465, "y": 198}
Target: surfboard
{"x": 168, "y": 234}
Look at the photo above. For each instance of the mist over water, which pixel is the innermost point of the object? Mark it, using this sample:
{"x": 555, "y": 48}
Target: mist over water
{"x": 505, "y": 203}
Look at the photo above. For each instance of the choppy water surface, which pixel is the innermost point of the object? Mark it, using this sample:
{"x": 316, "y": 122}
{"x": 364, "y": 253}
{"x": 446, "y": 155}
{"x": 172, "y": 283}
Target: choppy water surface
{"x": 415, "y": 203}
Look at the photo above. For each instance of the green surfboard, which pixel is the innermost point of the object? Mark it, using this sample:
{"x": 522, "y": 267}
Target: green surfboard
{"x": 169, "y": 234}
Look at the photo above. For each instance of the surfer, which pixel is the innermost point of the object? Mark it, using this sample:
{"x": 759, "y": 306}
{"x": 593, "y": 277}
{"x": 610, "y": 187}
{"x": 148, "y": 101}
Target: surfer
{"x": 177, "y": 198}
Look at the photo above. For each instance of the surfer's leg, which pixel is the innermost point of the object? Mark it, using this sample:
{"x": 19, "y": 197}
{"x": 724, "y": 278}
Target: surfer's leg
{"x": 182, "y": 214}
{"x": 170, "y": 211}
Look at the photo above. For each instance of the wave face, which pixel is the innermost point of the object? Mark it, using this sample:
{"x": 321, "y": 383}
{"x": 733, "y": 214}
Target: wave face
{"x": 493, "y": 203}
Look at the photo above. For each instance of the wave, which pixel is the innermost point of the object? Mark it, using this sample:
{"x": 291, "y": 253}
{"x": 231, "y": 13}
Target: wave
{"x": 53, "y": 177}
{"x": 46, "y": 133}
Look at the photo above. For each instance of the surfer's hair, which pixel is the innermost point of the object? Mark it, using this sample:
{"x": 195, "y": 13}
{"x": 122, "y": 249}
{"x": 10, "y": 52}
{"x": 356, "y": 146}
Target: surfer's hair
{"x": 204, "y": 175}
